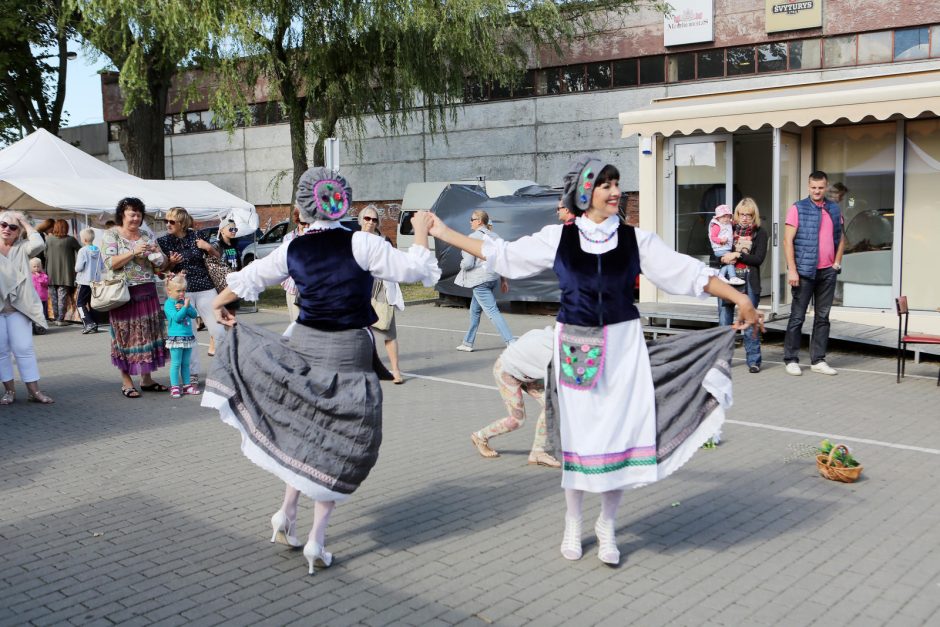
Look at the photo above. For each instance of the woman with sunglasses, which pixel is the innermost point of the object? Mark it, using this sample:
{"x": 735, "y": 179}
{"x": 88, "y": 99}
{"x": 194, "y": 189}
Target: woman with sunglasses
{"x": 475, "y": 275}
{"x": 138, "y": 334}
{"x": 385, "y": 294}
{"x": 750, "y": 248}
{"x": 187, "y": 252}
{"x": 20, "y": 307}
{"x": 616, "y": 429}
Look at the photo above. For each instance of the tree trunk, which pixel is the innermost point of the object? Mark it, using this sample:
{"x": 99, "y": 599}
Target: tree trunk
{"x": 142, "y": 135}
{"x": 296, "y": 107}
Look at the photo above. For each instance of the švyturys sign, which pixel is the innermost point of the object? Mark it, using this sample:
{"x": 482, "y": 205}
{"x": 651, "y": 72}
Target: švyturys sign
{"x": 793, "y": 15}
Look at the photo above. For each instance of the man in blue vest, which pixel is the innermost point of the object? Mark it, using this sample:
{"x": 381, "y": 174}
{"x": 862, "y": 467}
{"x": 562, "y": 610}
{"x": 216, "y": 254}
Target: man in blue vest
{"x": 813, "y": 244}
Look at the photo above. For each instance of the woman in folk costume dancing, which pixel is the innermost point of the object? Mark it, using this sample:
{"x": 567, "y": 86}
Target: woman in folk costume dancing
{"x": 628, "y": 417}
{"x": 309, "y": 407}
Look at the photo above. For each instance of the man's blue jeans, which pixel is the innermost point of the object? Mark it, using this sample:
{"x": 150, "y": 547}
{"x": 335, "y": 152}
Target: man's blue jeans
{"x": 821, "y": 291}
{"x": 484, "y": 300}
{"x": 751, "y": 342}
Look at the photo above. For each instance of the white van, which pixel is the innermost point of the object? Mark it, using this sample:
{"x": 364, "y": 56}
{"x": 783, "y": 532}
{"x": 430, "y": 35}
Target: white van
{"x": 422, "y": 196}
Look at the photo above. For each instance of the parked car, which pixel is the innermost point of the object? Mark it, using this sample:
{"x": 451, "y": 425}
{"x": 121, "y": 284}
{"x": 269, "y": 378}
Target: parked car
{"x": 274, "y": 236}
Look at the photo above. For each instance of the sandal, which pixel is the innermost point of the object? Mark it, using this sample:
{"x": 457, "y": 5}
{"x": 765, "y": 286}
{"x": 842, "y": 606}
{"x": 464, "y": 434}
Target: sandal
{"x": 543, "y": 459}
{"x": 39, "y": 397}
{"x": 154, "y": 387}
{"x": 483, "y": 447}
{"x": 8, "y": 398}
{"x": 130, "y": 392}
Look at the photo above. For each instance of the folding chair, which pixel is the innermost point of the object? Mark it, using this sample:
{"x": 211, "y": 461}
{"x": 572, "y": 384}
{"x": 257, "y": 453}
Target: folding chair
{"x": 905, "y": 338}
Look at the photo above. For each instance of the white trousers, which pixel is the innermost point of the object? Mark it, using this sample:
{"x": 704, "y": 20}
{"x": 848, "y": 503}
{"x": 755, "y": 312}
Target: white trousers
{"x": 202, "y": 301}
{"x": 16, "y": 337}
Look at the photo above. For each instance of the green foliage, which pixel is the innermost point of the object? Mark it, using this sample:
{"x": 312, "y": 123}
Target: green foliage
{"x": 33, "y": 64}
{"x": 397, "y": 60}
{"x": 148, "y": 41}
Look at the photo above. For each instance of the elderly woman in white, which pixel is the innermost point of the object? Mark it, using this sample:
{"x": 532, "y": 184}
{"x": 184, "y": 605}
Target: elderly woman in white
{"x": 20, "y": 307}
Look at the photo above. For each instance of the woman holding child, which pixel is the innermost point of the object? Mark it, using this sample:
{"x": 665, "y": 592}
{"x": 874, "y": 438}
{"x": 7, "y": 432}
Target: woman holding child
{"x": 747, "y": 255}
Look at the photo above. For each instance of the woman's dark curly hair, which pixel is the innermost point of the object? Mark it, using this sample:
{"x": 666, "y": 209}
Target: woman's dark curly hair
{"x": 134, "y": 204}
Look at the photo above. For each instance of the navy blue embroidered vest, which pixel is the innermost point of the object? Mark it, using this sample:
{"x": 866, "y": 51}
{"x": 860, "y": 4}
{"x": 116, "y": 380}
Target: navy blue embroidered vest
{"x": 806, "y": 241}
{"x": 597, "y": 290}
{"x": 335, "y": 293}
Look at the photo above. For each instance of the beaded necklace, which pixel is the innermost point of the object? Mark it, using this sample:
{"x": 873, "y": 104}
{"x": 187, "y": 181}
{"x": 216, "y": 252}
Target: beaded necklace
{"x": 597, "y": 241}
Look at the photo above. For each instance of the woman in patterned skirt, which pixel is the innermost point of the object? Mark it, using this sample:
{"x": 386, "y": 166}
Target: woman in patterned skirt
{"x": 137, "y": 330}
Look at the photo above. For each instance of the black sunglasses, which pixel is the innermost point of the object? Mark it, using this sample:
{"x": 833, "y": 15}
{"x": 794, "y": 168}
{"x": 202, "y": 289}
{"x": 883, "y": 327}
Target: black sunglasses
{"x": 369, "y": 219}
{"x": 171, "y": 221}
{"x": 12, "y": 227}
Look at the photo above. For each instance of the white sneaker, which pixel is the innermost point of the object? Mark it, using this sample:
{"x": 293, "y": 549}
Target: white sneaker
{"x": 465, "y": 348}
{"x": 823, "y": 368}
{"x": 794, "y": 369}
{"x": 736, "y": 281}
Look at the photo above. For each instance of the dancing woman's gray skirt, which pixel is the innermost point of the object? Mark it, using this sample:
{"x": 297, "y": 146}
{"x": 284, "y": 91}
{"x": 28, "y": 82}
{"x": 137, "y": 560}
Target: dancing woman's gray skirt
{"x": 309, "y": 408}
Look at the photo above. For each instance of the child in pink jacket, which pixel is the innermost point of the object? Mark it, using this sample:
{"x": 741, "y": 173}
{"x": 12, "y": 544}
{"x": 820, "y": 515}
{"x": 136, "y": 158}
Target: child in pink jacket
{"x": 41, "y": 283}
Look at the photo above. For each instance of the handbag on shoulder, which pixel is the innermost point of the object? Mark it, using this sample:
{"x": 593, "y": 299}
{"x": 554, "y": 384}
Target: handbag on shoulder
{"x": 218, "y": 270}
{"x": 385, "y": 312}
{"x": 109, "y": 294}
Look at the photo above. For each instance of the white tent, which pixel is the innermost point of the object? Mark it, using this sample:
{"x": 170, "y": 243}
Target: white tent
{"x": 47, "y": 177}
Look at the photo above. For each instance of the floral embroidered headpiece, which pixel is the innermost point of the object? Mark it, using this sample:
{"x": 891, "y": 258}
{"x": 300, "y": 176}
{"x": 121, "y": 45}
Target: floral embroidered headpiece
{"x": 579, "y": 182}
{"x": 323, "y": 195}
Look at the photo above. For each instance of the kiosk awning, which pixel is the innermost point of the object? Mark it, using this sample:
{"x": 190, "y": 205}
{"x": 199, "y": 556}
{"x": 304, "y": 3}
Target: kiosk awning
{"x": 908, "y": 95}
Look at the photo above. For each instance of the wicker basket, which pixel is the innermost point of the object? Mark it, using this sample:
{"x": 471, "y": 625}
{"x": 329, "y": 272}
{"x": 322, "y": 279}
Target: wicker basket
{"x": 830, "y": 468}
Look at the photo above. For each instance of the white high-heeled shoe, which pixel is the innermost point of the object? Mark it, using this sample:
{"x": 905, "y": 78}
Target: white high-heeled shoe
{"x": 317, "y": 556}
{"x": 571, "y": 541}
{"x": 284, "y": 531}
{"x": 607, "y": 550}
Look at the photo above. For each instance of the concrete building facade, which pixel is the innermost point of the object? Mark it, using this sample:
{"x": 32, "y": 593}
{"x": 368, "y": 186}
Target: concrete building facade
{"x": 572, "y": 104}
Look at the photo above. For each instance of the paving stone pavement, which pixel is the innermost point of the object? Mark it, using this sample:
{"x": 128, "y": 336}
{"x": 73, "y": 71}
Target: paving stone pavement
{"x": 118, "y": 511}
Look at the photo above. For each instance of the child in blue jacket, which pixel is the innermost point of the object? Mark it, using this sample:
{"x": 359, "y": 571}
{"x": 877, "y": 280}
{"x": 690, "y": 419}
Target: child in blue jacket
{"x": 180, "y": 337}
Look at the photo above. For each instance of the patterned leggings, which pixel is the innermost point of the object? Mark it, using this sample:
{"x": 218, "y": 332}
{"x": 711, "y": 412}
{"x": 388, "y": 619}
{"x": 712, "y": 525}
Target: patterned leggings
{"x": 511, "y": 388}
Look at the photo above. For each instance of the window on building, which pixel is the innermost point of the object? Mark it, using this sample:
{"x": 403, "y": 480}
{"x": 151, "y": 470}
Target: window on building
{"x": 624, "y": 72}
{"x": 193, "y": 122}
{"x": 681, "y": 67}
{"x": 805, "y": 54}
{"x": 911, "y": 43}
{"x": 862, "y": 158}
{"x": 114, "y": 131}
{"x": 179, "y": 125}
{"x": 210, "y": 121}
{"x": 935, "y": 41}
{"x": 598, "y": 75}
{"x": 839, "y": 51}
{"x": 772, "y": 57}
{"x": 573, "y": 78}
{"x": 653, "y": 70}
{"x": 921, "y": 217}
{"x": 500, "y": 91}
{"x": 874, "y": 47}
{"x": 741, "y": 61}
{"x": 525, "y": 87}
{"x": 266, "y": 113}
{"x": 473, "y": 91}
{"x": 711, "y": 63}
{"x": 549, "y": 81}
